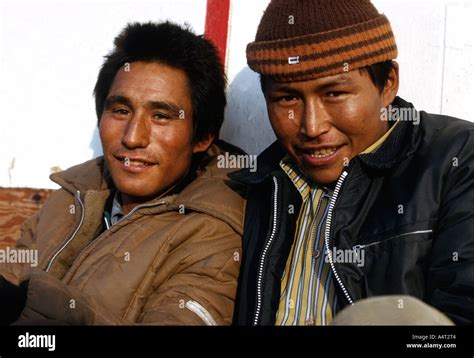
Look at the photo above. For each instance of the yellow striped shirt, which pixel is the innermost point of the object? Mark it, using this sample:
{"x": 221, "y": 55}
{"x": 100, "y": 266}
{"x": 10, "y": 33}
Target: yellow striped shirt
{"x": 305, "y": 299}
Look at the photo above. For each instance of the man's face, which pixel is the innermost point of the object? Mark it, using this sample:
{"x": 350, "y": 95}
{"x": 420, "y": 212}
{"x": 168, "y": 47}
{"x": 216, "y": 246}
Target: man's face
{"x": 323, "y": 123}
{"x": 146, "y": 129}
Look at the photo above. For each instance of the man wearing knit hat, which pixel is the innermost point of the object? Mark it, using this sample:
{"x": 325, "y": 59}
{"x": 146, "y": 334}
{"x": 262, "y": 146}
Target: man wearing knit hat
{"x": 363, "y": 203}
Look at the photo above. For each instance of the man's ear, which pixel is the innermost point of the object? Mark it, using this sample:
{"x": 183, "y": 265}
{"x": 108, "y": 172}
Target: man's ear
{"x": 203, "y": 145}
{"x": 391, "y": 87}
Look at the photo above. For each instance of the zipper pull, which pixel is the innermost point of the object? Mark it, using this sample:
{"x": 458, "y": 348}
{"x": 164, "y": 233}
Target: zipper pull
{"x": 357, "y": 247}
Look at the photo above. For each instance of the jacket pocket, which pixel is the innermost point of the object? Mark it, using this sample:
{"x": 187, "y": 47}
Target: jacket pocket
{"x": 418, "y": 232}
{"x": 201, "y": 312}
{"x": 396, "y": 264}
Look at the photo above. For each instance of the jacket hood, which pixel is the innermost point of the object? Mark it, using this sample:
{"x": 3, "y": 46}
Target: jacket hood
{"x": 211, "y": 192}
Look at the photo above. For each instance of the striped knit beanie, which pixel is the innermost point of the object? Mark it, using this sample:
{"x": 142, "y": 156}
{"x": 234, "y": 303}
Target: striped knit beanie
{"x": 299, "y": 40}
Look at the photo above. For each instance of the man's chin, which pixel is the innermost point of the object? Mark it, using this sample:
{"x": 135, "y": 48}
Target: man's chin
{"x": 135, "y": 191}
{"x": 323, "y": 176}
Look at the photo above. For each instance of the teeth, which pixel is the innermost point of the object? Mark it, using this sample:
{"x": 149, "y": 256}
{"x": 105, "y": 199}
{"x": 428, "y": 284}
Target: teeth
{"x": 129, "y": 162}
{"x": 323, "y": 153}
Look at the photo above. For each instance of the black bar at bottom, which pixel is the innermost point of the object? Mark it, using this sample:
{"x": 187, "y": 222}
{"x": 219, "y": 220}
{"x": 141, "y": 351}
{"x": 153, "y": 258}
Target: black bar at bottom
{"x": 413, "y": 340}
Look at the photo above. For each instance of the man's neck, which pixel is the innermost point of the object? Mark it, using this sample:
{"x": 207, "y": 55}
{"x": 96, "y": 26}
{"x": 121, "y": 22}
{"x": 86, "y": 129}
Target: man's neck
{"x": 129, "y": 203}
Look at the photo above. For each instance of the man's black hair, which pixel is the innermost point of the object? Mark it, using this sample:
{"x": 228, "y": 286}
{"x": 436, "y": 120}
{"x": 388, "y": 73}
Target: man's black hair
{"x": 177, "y": 47}
{"x": 378, "y": 73}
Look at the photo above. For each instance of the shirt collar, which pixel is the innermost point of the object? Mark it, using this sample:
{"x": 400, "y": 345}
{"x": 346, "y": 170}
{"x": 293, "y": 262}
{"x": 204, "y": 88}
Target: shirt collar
{"x": 117, "y": 212}
{"x": 373, "y": 148}
{"x": 299, "y": 179}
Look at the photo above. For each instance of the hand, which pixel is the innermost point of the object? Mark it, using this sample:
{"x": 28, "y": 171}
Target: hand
{"x": 12, "y": 300}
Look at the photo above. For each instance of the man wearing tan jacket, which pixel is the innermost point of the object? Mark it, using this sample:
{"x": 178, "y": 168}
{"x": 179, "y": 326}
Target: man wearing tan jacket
{"x": 150, "y": 232}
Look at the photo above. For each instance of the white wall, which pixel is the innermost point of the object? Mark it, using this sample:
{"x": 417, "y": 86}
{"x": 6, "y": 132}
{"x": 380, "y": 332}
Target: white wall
{"x": 436, "y": 59}
{"x": 50, "y": 54}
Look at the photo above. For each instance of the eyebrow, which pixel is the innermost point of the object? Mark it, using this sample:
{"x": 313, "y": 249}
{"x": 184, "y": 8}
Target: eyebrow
{"x": 110, "y": 101}
{"x": 163, "y": 105}
{"x": 117, "y": 100}
{"x": 284, "y": 87}
{"x": 341, "y": 81}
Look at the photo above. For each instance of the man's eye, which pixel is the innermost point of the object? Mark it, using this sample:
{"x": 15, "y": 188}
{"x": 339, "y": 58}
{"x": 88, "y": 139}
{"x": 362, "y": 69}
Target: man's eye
{"x": 335, "y": 93}
{"x": 159, "y": 115}
{"x": 120, "y": 111}
{"x": 286, "y": 99}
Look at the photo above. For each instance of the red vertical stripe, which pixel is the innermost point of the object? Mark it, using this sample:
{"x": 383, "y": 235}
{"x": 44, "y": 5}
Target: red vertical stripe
{"x": 217, "y": 24}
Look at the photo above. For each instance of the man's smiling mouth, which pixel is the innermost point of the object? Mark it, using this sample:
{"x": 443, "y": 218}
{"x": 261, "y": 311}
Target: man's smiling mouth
{"x": 127, "y": 161}
{"x": 134, "y": 163}
{"x": 321, "y": 153}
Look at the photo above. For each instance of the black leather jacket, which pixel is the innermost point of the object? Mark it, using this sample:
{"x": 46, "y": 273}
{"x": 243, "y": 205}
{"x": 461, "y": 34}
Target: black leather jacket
{"x": 409, "y": 206}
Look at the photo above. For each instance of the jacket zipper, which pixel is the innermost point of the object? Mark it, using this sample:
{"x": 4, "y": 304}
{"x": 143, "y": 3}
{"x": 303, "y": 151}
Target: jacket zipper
{"x": 200, "y": 311}
{"x": 78, "y": 196}
{"x": 327, "y": 231}
{"x": 265, "y": 251}
{"x": 357, "y": 247}
{"x": 88, "y": 246}
{"x": 78, "y": 193}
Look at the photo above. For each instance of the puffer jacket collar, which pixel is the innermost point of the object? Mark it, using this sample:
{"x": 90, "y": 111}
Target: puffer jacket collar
{"x": 207, "y": 193}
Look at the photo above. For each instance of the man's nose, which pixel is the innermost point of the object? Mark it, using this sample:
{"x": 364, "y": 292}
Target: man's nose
{"x": 314, "y": 120}
{"x": 137, "y": 132}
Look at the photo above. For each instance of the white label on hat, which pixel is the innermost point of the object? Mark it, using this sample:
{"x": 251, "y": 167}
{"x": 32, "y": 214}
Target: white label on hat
{"x": 293, "y": 60}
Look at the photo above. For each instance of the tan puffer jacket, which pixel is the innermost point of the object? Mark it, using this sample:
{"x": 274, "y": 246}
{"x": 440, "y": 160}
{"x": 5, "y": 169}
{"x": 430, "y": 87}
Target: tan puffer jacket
{"x": 172, "y": 261}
